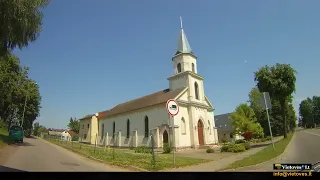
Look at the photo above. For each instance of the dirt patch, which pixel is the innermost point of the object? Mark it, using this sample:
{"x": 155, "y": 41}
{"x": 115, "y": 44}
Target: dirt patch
{"x": 6, "y": 153}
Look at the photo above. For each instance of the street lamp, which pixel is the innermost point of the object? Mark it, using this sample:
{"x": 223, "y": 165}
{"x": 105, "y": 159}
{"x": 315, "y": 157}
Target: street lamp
{"x": 25, "y": 104}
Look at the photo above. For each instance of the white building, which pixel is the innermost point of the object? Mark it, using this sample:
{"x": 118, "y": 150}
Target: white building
{"x": 130, "y": 124}
{"x": 224, "y": 128}
{"x": 67, "y": 135}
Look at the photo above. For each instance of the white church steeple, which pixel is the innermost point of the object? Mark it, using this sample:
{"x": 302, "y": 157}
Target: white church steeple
{"x": 184, "y": 59}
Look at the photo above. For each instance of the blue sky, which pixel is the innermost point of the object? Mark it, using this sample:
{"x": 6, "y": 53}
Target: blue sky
{"x": 93, "y": 55}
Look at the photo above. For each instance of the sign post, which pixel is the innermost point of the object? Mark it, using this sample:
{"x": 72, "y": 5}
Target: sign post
{"x": 173, "y": 109}
{"x": 266, "y": 105}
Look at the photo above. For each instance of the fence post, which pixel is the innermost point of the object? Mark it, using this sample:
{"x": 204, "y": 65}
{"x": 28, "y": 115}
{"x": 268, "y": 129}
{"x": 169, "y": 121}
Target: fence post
{"x": 153, "y": 162}
{"x": 105, "y": 142}
{"x": 114, "y": 144}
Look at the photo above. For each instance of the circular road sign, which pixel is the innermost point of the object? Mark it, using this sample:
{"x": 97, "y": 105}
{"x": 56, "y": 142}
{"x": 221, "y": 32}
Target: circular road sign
{"x": 172, "y": 107}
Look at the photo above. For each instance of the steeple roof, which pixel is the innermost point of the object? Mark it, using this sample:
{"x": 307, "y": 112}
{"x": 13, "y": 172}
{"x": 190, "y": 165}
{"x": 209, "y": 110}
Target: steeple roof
{"x": 183, "y": 44}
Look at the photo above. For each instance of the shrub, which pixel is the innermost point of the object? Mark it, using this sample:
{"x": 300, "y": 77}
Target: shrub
{"x": 225, "y": 148}
{"x": 210, "y": 150}
{"x": 248, "y": 135}
{"x": 239, "y": 141}
{"x": 238, "y": 148}
{"x": 247, "y": 145}
{"x": 268, "y": 138}
{"x": 263, "y": 139}
{"x": 224, "y": 141}
{"x": 142, "y": 149}
{"x": 167, "y": 148}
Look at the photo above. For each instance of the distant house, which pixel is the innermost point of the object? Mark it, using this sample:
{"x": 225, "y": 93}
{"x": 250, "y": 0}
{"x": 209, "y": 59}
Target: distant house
{"x": 67, "y": 135}
{"x": 54, "y": 133}
{"x": 224, "y": 127}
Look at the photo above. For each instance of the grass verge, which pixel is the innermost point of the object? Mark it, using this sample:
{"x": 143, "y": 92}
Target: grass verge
{"x": 125, "y": 158}
{"x": 263, "y": 155}
{"x": 4, "y": 138}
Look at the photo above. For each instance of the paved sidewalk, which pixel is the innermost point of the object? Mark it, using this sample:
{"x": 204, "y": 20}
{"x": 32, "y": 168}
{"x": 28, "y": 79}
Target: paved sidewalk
{"x": 219, "y": 164}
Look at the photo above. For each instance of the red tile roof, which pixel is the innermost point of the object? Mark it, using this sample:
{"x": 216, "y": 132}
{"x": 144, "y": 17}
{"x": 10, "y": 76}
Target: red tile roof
{"x": 72, "y": 134}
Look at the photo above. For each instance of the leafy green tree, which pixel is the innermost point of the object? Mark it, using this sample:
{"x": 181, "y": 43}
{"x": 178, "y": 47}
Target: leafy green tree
{"x": 243, "y": 120}
{"x": 20, "y": 23}
{"x": 74, "y": 125}
{"x": 20, "y": 98}
{"x": 279, "y": 81}
{"x": 316, "y": 109}
{"x": 254, "y": 101}
{"x": 306, "y": 111}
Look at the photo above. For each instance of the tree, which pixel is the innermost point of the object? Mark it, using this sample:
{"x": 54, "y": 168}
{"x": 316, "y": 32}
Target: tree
{"x": 254, "y": 101}
{"x": 279, "y": 81}
{"x": 316, "y": 109}
{"x": 19, "y": 97}
{"x": 243, "y": 120}
{"x": 74, "y": 125}
{"x": 20, "y": 23}
{"x": 306, "y": 112}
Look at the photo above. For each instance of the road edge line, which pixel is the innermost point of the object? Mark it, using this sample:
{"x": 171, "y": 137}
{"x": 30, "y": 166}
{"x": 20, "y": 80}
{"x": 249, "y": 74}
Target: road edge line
{"x": 97, "y": 160}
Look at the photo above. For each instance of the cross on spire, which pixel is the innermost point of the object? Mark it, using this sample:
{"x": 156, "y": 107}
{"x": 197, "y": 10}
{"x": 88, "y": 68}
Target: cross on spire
{"x": 181, "y": 22}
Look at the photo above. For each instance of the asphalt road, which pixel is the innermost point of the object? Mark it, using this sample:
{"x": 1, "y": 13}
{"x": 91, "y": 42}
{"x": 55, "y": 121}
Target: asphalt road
{"x": 36, "y": 155}
{"x": 303, "y": 148}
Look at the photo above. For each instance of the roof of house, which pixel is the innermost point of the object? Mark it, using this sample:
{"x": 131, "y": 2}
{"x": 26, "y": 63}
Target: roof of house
{"x": 142, "y": 102}
{"x": 72, "y": 133}
{"x": 223, "y": 122}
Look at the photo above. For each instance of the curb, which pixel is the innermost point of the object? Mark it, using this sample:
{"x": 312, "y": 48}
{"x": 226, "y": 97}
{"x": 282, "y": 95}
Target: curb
{"x": 98, "y": 160}
{"x": 285, "y": 150}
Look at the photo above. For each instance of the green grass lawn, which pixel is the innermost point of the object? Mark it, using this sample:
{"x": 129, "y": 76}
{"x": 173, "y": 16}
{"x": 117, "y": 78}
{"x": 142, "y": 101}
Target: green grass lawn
{"x": 4, "y": 138}
{"x": 126, "y": 158}
{"x": 263, "y": 155}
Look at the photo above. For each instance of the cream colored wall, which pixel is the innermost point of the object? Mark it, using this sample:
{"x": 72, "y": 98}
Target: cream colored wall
{"x": 225, "y": 135}
{"x": 182, "y": 140}
{"x": 178, "y": 82}
{"x": 84, "y": 129}
{"x": 186, "y": 61}
{"x": 156, "y": 115}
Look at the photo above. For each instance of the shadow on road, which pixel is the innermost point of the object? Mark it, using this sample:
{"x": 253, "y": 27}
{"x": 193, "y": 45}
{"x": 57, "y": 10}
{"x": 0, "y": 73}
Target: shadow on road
{"x": 31, "y": 137}
{"x": 7, "y": 169}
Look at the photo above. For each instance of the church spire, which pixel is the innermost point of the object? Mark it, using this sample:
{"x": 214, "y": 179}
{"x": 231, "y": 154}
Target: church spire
{"x": 183, "y": 44}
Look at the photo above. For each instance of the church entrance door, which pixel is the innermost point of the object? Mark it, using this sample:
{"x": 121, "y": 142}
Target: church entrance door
{"x": 200, "y": 133}
{"x": 165, "y": 136}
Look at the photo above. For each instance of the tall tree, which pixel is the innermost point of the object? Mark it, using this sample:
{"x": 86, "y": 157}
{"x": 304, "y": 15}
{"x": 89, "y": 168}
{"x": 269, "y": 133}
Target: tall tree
{"x": 279, "y": 81}
{"x": 316, "y": 109}
{"x": 20, "y": 23}
{"x": 74, "y": 125}
{"x": 306, "y": 112}
{"x": 254, "y": 101}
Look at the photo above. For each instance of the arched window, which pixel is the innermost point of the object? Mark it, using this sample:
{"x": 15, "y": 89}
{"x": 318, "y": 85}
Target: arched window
{"x": 179, "y": 67}
{"x": 209, "y": 127}
{"x": 128, "y": 128}
{"x": 196, "y": 90}
{"x": 193, "y": 70}
{"x": 113, "y": 129}
{"x": 146, "y": 126}
{"x": 102, "y": 130}
{"x": 183, "y": 126}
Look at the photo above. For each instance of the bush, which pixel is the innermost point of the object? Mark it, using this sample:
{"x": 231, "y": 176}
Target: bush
{"x": 248, "y": 135}
{"x": 224, "y": 141}
{"x": 210, "y": 150}
{"x": 247, "y": 145}
{"x": 239, "y": 141}
{"x": 238, "y": 148}
{"x": 224, "y": 148}
{"x": 268, "y": 138}
{"x": 75, "y": 138}
{"x": 167, "y": 148}
{"x": 142, "y": 149}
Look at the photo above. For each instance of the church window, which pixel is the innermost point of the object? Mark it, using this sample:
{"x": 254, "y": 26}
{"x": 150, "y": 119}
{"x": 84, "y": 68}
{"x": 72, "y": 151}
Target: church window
{"x": 193, "y": 70}
{"x": 113, "y": 129}
{"x": 128, "y": 128}
{"x": 196, "y": 90}
{"x": 146, "y": 126}
{"x": 88, "y": 125}
{"x": 82, "y": 126}
{"x": 209, "y": 127}
{"x": 179, "y": 67}
{"x": 102, "y": 130}
{"x": 183, "y": 126}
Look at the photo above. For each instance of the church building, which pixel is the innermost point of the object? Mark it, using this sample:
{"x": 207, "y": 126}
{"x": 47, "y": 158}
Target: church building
{"x": 134, "y": 123}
